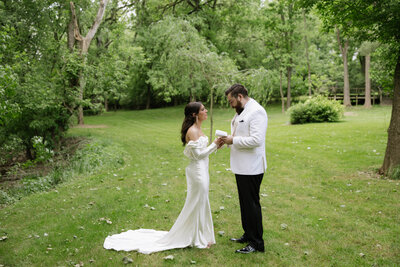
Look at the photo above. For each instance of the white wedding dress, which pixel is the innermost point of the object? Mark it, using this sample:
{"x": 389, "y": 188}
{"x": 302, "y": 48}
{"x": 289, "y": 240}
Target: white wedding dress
{"x": 194, "y": 226}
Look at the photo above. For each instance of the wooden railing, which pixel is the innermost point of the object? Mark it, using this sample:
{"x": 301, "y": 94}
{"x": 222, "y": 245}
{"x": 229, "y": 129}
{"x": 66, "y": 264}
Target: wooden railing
{"x": 356, "y": 94}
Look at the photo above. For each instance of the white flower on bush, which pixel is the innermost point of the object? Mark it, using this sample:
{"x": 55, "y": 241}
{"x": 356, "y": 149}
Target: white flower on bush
{"x": 42, "y": 152}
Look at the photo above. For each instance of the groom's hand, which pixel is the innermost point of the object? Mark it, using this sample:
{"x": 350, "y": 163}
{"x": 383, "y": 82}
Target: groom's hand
{"x": 228, "y": 139}
{"x": 219, "y": 142}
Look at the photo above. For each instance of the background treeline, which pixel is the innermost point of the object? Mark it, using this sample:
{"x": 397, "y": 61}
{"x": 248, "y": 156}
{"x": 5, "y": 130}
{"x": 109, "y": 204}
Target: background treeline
{"x": 62, "y": 60}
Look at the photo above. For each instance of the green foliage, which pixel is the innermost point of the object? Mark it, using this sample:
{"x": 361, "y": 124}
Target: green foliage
{"x": 41, "y": 149}
{"x": 382, "y": 68}
{"x": 9, "y": 110}
{"x": 93, "y": 157}
{"x": 182, "y": 62}
{"x": 10, "y": 147}
{"x": 261, "y": 83}
{"x": 96, "y": 156}
{"x": 316, "y": 109}
{"x": 32, "y": 92}
{"x": 394, "y": 173}
{"x": 5, "y": 198}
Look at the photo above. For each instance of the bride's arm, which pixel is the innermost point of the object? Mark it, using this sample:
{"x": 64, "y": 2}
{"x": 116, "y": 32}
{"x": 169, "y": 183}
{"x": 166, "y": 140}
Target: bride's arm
{"x": 200, "y": 153}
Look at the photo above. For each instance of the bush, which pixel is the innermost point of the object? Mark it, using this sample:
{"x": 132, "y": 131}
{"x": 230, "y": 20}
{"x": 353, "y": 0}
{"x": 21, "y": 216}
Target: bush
{"x": 316, "y": 109}
{"x": 395, "y": 173}
{"x": 92, "y": 158}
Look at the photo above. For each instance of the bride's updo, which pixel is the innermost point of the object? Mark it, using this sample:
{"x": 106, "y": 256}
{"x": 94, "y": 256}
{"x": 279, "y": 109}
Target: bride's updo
{"x": 189, "y": 120}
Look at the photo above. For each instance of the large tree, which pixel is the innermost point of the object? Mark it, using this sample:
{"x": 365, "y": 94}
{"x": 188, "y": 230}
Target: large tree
{"x": 344, "y": 48}
{"x": 373, "y": 21}
{"x": 83, "y": 43}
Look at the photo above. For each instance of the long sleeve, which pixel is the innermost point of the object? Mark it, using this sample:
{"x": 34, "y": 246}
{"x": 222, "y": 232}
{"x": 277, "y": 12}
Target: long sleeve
{"x": 200, "y": 153}
{"x": 258, "y": 129}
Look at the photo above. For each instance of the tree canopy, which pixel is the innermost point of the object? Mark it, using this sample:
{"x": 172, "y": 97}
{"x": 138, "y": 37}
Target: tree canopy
{"x": 148, "y": 53}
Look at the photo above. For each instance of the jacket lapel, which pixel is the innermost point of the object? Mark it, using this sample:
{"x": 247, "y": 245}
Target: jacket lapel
{"x": 237, "y": 118}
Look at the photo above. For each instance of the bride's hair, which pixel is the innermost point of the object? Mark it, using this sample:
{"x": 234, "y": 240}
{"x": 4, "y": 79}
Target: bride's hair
{"x": 189, "y": 120}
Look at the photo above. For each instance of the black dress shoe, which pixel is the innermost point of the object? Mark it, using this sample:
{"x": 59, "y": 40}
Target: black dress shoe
{"x": 239, "y": 240}
{"x": 248, "y": 249}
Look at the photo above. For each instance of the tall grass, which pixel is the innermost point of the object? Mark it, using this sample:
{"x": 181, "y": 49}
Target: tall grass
{"x": 320, "y": 182}
{"x": 94, "y": 156}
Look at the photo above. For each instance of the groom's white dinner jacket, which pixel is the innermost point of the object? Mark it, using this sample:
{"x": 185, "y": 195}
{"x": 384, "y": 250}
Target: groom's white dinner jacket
{"x": 248, "y": 149}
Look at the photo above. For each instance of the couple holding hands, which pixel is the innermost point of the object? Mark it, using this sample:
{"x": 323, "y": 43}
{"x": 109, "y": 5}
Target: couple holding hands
{"x": 194, "y": 226}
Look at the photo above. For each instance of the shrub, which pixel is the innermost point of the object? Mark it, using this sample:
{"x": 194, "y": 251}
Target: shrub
{"x": 316, "y": 109}
{"x": 42, "y": 152}
{"x": 395, "y": 173}
{"x": 99, "y": 155}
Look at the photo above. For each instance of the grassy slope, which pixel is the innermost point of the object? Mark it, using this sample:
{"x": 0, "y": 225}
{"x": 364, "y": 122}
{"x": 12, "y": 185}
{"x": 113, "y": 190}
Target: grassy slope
{"x": 313, "y": 171}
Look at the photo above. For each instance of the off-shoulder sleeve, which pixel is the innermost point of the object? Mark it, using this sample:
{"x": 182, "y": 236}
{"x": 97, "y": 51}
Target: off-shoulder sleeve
{"x": 196, "y": 151}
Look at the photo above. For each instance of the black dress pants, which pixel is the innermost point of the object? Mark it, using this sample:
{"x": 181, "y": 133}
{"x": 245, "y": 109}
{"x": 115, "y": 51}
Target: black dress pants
{"x": 250, "y": 208}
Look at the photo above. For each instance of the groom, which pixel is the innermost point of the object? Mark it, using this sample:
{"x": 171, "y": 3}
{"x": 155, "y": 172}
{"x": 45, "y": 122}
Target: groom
{"x": 248, "y": 163}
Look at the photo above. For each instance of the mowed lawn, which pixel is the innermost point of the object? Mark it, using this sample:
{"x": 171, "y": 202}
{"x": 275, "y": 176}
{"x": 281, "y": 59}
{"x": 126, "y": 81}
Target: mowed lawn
{"x": 322, "y": 202}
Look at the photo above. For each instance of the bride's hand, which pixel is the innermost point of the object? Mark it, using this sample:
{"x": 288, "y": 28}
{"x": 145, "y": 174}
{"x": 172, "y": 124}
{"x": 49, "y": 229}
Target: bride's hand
{"x": 219, "y": 142}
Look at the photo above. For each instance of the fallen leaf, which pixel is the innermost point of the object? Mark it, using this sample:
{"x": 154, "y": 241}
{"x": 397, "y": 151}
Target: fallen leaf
{"x": 169, "y": 257}
{"x": 127, "y": 260}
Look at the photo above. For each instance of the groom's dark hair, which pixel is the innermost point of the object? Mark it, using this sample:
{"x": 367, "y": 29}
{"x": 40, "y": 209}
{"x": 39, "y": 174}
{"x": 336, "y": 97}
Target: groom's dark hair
{"x": 236, "y": 89}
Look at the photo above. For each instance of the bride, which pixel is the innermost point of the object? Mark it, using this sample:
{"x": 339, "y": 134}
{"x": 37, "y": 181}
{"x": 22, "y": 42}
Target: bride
{"x": 194, "y": 226}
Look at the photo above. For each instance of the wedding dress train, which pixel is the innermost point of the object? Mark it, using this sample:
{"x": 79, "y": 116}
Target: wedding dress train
{"x": 193, "y": 227}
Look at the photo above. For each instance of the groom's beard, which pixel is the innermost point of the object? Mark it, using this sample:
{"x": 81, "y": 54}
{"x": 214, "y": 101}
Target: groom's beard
{"x": 239, "y": 108}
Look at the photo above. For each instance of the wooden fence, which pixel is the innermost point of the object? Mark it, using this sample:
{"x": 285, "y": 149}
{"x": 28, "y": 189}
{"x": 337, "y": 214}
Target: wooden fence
{"x": 357, "y": 94}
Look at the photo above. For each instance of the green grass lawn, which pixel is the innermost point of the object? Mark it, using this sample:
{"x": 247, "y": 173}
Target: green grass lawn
{"x": 320, "y": 182}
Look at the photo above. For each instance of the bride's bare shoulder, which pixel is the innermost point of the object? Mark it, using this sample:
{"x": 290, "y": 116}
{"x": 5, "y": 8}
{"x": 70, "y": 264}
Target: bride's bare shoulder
{"x": 192, "y": 134}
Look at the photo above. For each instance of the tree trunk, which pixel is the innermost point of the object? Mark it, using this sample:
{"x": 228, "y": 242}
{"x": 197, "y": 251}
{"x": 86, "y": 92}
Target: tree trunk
{"x": 367, "y": 102}
{"x": 82, "y": 84}
{"x": 307, "y": 56}
{"x": 288, "y": 36}
{"x": 289, "y": 78}
{"x": 281, "y": 91}
{"x": 290, "y": 48}
{"x": 211, "y": 113}
{"x": 346, "y": 88}
{"x": 106, "y": 102}
{"x": 83, "y": 44}
{"x": 362, "y": 63}
{"x": 148, "y": 97}
{"x": 392, "y": 155}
